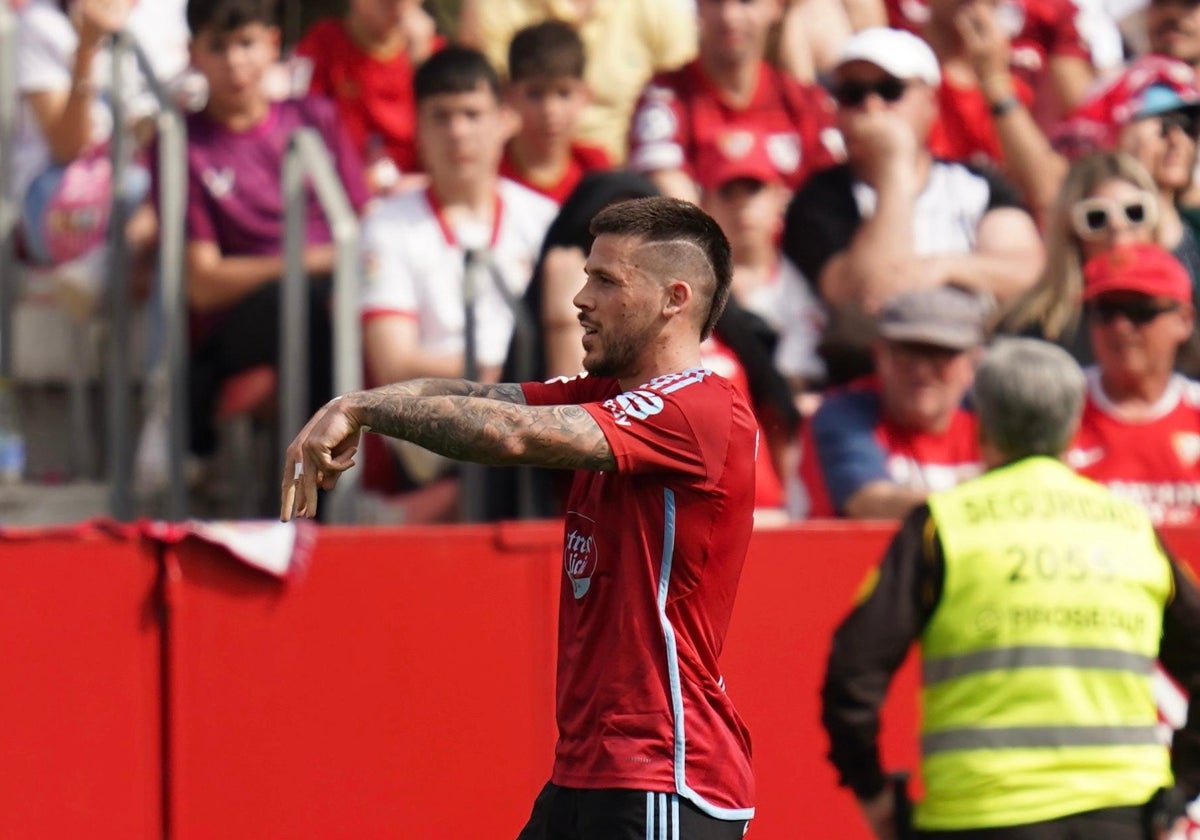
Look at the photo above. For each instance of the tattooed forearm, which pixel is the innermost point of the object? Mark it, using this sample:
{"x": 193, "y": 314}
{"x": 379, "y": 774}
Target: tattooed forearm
{"x": 489, "y": 432}
{"x": 503, "y": 392}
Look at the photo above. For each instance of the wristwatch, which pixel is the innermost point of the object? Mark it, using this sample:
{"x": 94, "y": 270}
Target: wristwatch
{"x": 1003, "y": 106}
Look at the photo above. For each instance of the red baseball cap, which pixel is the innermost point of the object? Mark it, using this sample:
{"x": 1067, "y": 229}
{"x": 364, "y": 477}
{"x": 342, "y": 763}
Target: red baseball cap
{"x": 733, "y": 154}
{"x": 1150, "y": 85}
{"x": 1142, "y": 267}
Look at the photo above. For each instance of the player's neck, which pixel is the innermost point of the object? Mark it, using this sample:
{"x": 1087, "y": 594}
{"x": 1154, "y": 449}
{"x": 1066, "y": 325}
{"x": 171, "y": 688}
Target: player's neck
{"x": 737, "y": 81}
{"x": 668, "y": 360}
{"x": 541, "y": 163}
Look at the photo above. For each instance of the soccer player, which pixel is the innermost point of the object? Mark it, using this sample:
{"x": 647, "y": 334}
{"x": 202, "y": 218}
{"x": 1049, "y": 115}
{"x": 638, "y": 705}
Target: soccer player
{"x": 658, "y": 520}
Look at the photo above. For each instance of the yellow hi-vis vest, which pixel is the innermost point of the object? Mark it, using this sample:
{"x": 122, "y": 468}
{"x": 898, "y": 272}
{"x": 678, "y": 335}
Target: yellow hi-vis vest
{"x": 1036, "y": 664}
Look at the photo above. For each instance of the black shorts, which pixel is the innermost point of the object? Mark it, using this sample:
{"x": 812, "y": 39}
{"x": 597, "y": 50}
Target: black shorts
{"x": 561, "y": 813}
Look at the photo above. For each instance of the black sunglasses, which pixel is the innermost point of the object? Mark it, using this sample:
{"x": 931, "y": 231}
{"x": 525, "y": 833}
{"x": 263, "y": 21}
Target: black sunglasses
{"x": 1138, "y": 311}
{"x": 1186, "y": 121}
{"x": 853, "y": 94}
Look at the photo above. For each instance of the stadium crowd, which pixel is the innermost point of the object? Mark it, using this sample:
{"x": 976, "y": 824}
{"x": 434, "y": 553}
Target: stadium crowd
{"x": 900, "y": 181}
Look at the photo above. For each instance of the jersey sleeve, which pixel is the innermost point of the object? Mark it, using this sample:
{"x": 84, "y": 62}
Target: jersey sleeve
{"x": 388, "y": 284}
{"x": 849, "y": 453}
{"x": 657, "y": 430}
{"x": 658, "y": 131}
{"x": 41, "y": 63}
{"x": 1000, "y": 192}
{"x": 870, "y": 645}
{"x": 1065, "y": 40}
{"x": 568, "y": 390}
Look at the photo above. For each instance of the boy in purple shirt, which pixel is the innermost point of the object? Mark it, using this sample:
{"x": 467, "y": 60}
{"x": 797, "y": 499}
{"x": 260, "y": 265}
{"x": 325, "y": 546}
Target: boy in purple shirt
{"x": 235, "y": 212}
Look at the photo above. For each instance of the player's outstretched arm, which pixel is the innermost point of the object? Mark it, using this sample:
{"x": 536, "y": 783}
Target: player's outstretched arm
{"x": 488, "y": 425}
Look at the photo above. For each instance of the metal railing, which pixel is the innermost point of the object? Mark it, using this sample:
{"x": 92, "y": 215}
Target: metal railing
{"x": 8, "y": 204}
{"x": 308, "y": 158}
{"x": 172, "y": 195}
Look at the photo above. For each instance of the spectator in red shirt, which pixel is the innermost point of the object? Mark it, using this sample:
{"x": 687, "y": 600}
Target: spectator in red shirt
{"x": 744, "y": 192}
{"x": 878, "y": 448}
{"x": 991, "y": 112}
{"x": 547, "y": 91}
{"x": 730, "y": 85}
{"x": 1140, "y": 432}
{"x": 1048, "y": 48}
{"x": 364, "y": 62}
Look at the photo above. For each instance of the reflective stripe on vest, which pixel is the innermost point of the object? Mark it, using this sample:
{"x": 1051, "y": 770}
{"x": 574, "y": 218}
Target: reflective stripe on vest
{"x": 1038, "y": 736}
{"x": 1005, "y": 659}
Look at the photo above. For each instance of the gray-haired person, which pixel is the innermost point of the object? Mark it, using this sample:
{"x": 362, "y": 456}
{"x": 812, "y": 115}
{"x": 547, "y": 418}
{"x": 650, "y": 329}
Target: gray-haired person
{"x": 1041, "y": 602}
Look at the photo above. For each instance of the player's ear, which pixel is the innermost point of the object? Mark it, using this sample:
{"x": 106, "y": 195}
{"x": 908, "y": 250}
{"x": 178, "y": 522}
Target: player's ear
{"x": 678, "y": 295}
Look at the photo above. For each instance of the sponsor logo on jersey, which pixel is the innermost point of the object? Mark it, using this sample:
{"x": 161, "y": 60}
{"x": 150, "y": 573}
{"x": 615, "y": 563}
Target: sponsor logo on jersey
{"x": 219, "y": 181}
{"x": 784, "y": 151}
{"x": 655, "y": 123}
{"x": 580, "y": 556}
{"x": 1080, "y": 459}
{"x": 1187, "y": 447}
{"x": 634, "y": 405}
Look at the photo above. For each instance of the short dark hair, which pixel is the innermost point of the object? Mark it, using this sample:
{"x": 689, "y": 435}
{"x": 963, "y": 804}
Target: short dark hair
{"x": 222, "y": 16}
{"x": 454, "y": 69}
{"x": 551, "y": 49}
{"x": 661, "y": 219}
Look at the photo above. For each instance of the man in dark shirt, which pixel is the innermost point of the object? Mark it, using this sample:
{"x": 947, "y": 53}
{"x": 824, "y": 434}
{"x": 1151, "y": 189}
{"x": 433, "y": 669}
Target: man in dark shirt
{"x": 1041, "y": 602}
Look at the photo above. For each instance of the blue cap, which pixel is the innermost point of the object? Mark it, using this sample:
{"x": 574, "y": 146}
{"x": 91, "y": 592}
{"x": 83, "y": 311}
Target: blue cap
{"x": 1162, "y": 99}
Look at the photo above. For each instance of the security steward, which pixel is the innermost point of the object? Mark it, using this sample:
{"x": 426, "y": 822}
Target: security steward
{"x": 1041, "y": 602}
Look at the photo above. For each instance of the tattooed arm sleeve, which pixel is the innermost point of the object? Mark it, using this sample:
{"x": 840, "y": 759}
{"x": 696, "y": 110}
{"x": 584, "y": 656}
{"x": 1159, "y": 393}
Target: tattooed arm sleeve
{"x": 488, "y": 425}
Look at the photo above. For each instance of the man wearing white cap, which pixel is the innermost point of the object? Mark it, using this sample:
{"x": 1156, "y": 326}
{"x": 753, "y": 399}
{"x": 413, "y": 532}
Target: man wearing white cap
{"x": 894, "y": 218}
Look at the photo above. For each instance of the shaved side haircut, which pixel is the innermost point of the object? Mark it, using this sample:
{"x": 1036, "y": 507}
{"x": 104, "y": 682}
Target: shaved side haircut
{"x": 686, "y": 244}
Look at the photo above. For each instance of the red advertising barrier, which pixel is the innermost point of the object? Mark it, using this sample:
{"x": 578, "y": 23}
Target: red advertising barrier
{"x": 400, "y": 686}
{"x": 80, "y": 752}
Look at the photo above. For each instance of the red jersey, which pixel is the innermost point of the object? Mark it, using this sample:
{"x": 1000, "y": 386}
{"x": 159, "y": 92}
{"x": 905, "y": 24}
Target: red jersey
{"x": 584, "y": 159}
{"x": 849, "y": 443}
{"x": 965, "y": 130}
{"x": 682, "y": 110}
{"x": 1040, "y": 30}
{"x": 652, "y": 555}
{"x": 717, "y": 357}
{"x": 374, "y": 96}
{"x": 1154, "y": 462}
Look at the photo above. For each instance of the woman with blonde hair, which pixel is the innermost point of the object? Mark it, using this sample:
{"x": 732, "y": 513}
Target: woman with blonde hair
{"x": 1106, "y": 199}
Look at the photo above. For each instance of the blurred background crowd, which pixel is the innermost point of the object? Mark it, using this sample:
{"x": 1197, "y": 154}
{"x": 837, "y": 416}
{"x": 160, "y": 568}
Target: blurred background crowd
{"x": 900, "y": 181}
